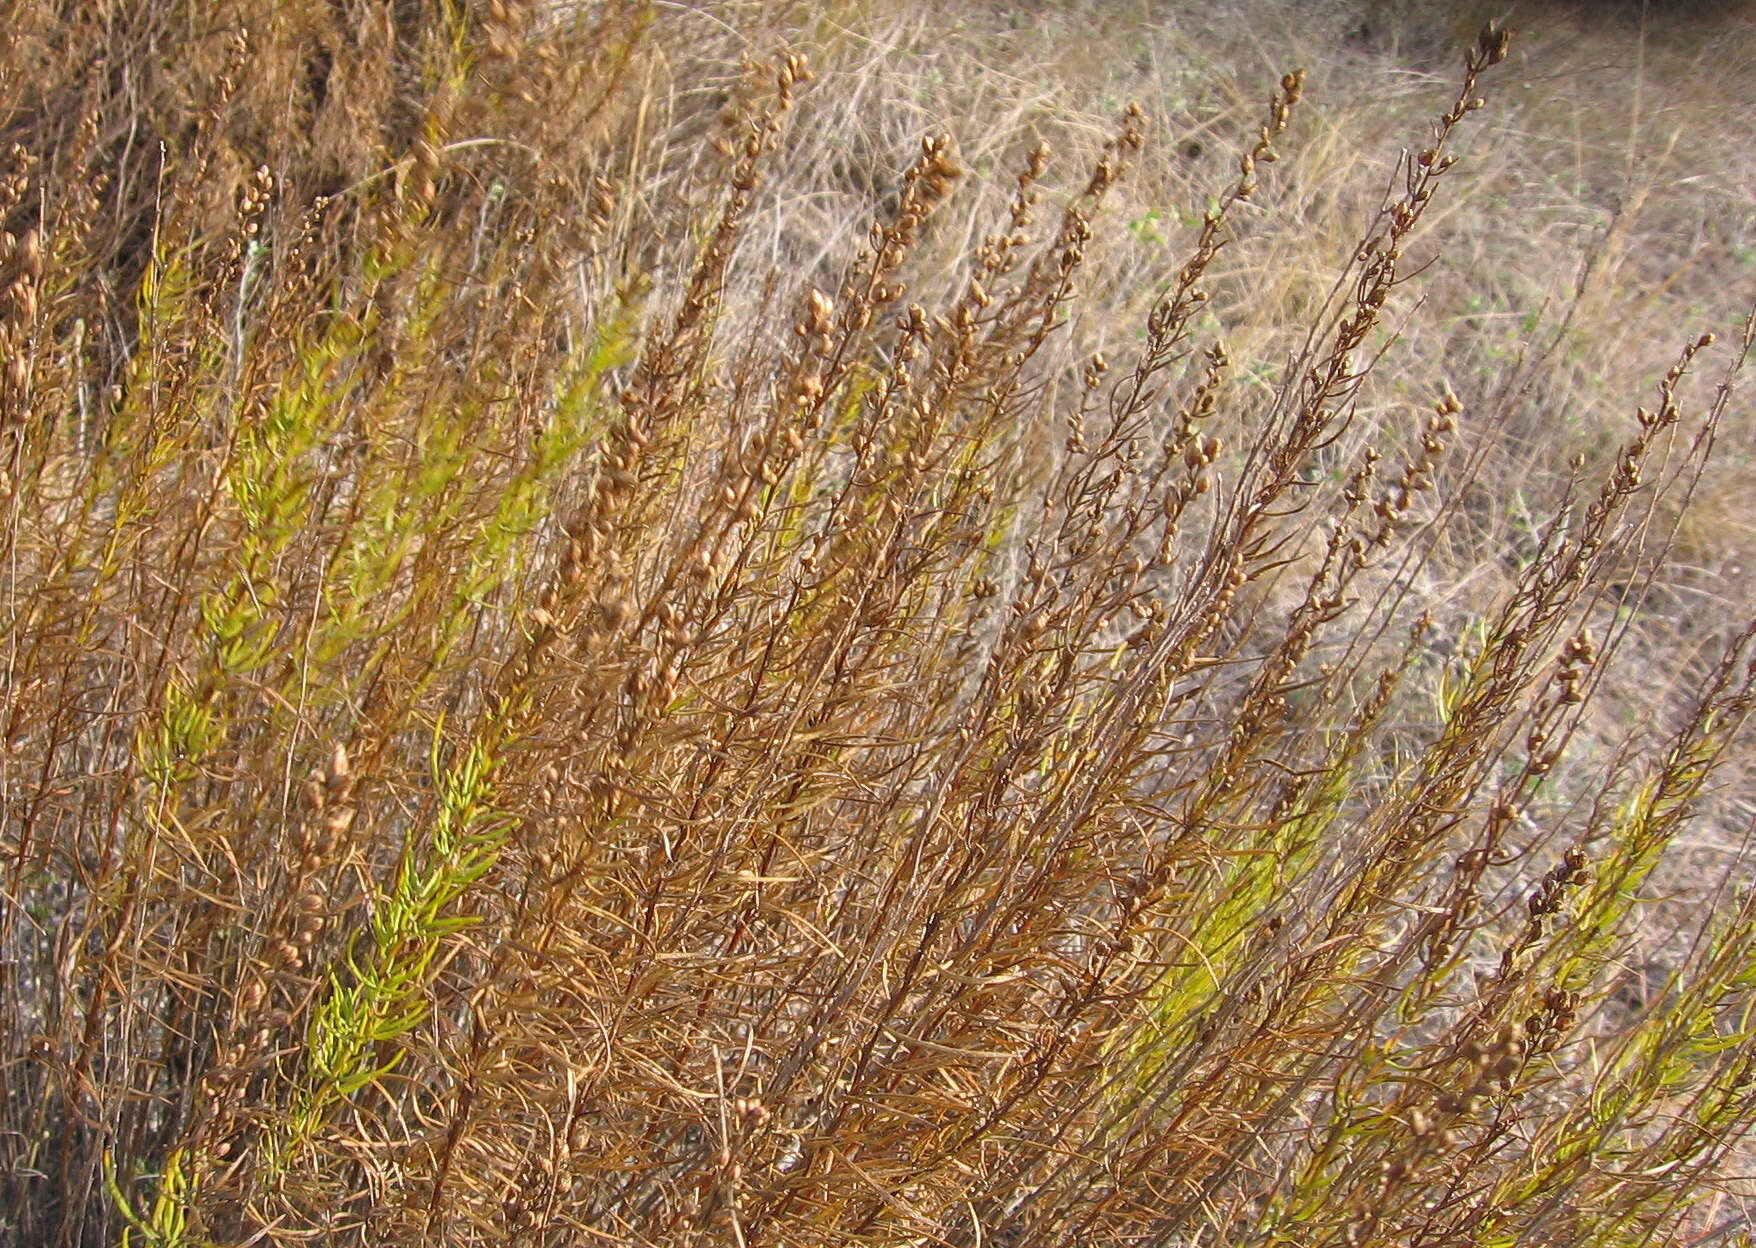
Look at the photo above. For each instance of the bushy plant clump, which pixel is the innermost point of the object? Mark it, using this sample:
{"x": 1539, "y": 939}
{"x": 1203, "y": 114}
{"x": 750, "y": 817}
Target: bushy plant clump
{"x": 527, "y": 720}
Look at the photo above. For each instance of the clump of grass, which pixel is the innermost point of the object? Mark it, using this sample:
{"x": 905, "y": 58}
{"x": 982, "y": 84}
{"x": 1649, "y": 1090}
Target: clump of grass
{"x": 510, "y": 738}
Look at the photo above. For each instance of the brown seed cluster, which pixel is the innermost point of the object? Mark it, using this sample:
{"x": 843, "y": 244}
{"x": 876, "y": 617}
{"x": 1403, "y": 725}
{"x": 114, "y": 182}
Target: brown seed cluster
{"x": 21, "y": 276}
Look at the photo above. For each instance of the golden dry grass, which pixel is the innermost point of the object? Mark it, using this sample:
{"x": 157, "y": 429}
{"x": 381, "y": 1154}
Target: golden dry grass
{"x": 755, "y": 624}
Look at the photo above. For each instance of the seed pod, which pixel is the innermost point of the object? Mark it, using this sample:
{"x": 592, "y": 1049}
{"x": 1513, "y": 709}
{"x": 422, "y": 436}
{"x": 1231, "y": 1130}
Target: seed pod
{"x": 822, "y": 311}
{"x": 24, "y": 298}
{"x": 30, "y": 253}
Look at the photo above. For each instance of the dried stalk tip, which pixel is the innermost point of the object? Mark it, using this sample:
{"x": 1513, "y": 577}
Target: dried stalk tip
{"x": 1493, "y": 43}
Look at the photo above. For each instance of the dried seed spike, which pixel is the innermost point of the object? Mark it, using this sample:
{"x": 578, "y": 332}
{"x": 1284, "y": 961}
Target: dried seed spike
{"x": 1493, "y": 43}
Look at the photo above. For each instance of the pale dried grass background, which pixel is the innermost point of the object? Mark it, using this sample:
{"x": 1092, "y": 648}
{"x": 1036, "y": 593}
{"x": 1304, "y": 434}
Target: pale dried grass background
{"x": 1607, "y": 208}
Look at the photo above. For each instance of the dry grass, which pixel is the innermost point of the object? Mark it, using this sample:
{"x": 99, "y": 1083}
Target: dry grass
{"x": 604, "y": 645}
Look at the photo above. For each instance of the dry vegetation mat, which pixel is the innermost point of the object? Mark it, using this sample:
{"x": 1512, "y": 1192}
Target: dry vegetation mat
{"x": 604, "y": 645}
